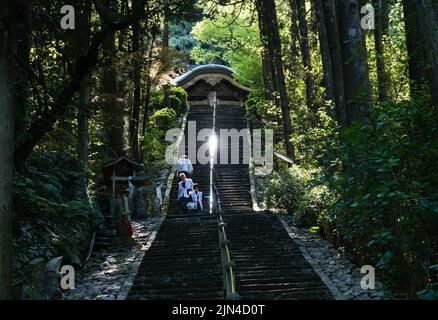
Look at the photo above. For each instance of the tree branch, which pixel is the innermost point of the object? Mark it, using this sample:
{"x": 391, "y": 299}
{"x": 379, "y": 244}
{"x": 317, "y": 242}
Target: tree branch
{"x": 83, "y": 66}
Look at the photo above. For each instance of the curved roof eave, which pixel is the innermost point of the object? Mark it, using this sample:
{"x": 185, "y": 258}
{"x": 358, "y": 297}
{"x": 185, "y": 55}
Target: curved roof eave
{"x": 207, "y": 68}
{"x": 189, "y": 78}
{"x": 226, "y": 77}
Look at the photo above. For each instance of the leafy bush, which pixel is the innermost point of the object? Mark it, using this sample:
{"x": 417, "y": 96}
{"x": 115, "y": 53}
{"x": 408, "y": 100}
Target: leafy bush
{"x": 153, "y": 141}
{"x": 164, "y": 118}
{"x": 257, "y": 107}
{"x": 175, "y": 103}
{"x": 156, "y": 98}
{"x": 431, "y": 290}
{"x": 154, "y": 147}
{"x": 286, "y": 188}
{"x": 308, "y": 139}
{"x": 255, "y": 103}
{"x": 313, "y": 205}
{"x": 179, "y": 95}
{"x": 386, "y": 173}
{"x": 298, "y": 191}
{"x": 178, "y": 100}
{"x": 375, "y": 192}
{"x": 48, "y": 200}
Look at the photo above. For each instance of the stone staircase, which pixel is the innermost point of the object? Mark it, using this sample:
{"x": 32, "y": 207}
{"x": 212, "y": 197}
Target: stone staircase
{"x": 184, "y": 260}
{"x": 182, "y": 263}
{"x": 269, "y": 265}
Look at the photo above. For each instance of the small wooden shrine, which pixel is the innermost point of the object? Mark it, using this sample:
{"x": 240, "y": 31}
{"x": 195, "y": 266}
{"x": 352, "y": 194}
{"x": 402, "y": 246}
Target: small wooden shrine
{"x": 122, "y": 176}
{"x": 117, "y": 173}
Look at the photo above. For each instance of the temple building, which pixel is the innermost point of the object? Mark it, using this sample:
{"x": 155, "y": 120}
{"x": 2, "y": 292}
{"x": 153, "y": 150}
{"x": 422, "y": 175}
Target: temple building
{"x": 202, "y": 80}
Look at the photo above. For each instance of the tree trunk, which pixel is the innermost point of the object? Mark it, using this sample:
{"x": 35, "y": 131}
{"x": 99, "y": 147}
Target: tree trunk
{"x": 380, "y": 33}
{"x": 313, "y": 26}
{"x": 166, "y": 87}
{"x": 84, "y": 92}
{"x": 23, "y": 29}
{"x": 355, "y": 64}
{"x": 147, "y": 101}
{"x": 113, "y": 104}
{"x": 147, "y": 97}
{"x": 325, "y": 55}
{"x": 267, "y": 77}
{"x": 334, "y": 42}
{"x": 417, "y": 68}
{"x": 422, "y": 42}
{"x": 274, "y": 43}
{"x": 305, "y": 53}
{"x": 266, "y": 60}
{"x": 294, "y": 34}
{"x": 7, "y": 128}
{"x": 435, "y": 8}
{"x": 46, "y": 119}
{"x": 429, "y": 29}
{"x": 84, "y": 99}
{"x": 135, "y": 114}
{"x": 269, "y": 81}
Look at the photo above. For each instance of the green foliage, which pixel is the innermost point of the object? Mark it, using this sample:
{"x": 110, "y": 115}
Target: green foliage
{"x": 386, "y": 172}
{"x": 203, "y": 54}
{"x": 179, "y": 95}
{"x": 314, "y": 204}
{"x": 256, "y": 104}
{"x": 178, "y": 100}
{"x": 157, "y": 98}
{"x": 309, "y": 135}
{"x": 375, "y": 190}
{"x": 54, "y": 176}
{"x": 175, "y": 103}
{"x": 48, "y": 197}
{"x": 431, "y": 290}
{"x": 299, "y": 192}
{"x": 153, "y": 142}
{"x": 164, "y": 118}
{"x": 430, "y": 293}
{"x": 395, "y": 56}
{"x": 180, "y": 37}
{"x": 154, "y": 148}
{"x": 234, "y": 41}
{"x": 373, "y": 185}
{"x": 286, "y": 189}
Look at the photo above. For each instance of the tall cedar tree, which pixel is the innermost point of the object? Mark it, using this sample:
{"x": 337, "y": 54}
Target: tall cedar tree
{"x": 274, "y": 45}
{"x": 8, "y": 16}
{"x": 305, "y": 52}
{"x": 422, "y": 41}
{"x": 269, "y": 81}
{"x": 43, "y": 123}
{"x": 324, "y": 50}
{"x": 266, "y": 60}
{"x": 354, "y": 58}
{"x": 334, "y": 41}
{"x": 381, "y": 31}
{"x": 136, "y": 74}
{"x": 84, "y": 90}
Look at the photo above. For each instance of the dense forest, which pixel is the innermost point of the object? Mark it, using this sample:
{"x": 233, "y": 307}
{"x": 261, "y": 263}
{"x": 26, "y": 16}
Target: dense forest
{"x": 349, "y": 87}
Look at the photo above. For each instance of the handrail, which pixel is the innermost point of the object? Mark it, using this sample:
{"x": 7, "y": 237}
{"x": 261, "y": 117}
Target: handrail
{"x": 283, "y": 157}
{"x": 227, "y": 264}
{"x": 216, "y": 206}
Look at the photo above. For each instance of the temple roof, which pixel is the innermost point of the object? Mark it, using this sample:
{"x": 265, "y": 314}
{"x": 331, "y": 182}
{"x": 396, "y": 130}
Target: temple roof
{"x": 208, "y": 71}
{"x": 203, "y": 69}
{"x": 122, "y": 158}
